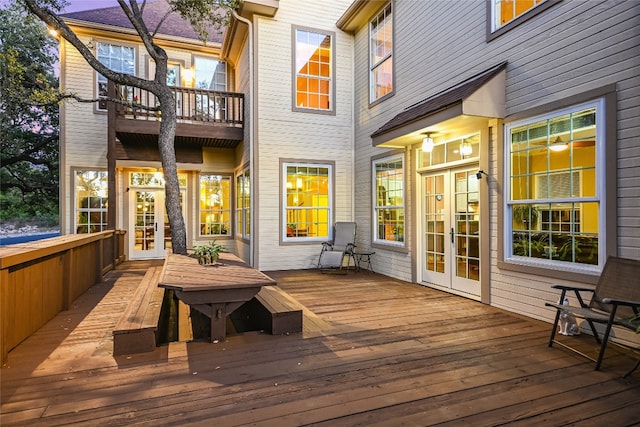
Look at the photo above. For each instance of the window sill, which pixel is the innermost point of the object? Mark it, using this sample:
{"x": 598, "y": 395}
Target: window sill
{"x": 561, "y": 271}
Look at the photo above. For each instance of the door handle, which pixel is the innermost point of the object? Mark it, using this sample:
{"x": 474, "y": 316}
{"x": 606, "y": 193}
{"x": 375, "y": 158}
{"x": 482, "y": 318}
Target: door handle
{"x": 157, "y": 227}
{"x": 452, "y": 235}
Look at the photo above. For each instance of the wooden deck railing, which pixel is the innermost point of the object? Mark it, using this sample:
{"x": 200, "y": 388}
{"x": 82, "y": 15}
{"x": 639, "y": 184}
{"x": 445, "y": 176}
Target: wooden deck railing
{"x": 39, "y": 279}
{"x": 192, "y": 105}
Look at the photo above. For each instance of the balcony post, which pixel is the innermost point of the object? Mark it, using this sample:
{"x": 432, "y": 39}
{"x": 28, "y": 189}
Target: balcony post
{"x": 111, "y": 157}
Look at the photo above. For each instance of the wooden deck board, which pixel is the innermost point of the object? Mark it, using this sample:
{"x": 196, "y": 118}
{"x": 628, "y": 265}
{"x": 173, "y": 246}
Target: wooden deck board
{"x": 378, "y": 351}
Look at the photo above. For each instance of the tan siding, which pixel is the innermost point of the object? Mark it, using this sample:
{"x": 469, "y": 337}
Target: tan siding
{"x": 311, "y": 137}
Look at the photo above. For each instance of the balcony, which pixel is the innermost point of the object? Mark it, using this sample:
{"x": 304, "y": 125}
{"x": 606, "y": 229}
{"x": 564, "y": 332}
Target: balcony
{"x": 205, "y": 119}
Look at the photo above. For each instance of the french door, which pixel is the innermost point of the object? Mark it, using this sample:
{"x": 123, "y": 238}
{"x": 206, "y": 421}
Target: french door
{"x": 151, "y": 233}
{"x": 450, "y": 228}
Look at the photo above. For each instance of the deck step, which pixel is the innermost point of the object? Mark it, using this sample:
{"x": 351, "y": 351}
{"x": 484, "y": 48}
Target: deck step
{"x": 279, "y": 312}
{"x": 136, "y": 330}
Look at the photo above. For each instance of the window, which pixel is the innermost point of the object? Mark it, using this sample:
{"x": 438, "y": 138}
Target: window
{"x": 243, "y": 204}
{"x": 455, "y": 150}
{"x": 117, "y": 58}
{"x": 313, "y": 71}
{"x": 555, "y": 204}
{"x": 91, "y": 188}
{"x": 389, "y": 200}
{"x": 381, "y": 54}
{"x": 215, "y": 205}
{"x": 307, "y": 201}
{"x": 211, "y": 75}
{"x": 506, "y": 11}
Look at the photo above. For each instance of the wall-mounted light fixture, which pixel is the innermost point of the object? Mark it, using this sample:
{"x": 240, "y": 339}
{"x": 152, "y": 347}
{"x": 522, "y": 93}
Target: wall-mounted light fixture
{"x": 187, "y": 75}
{"x": 480, "y": 173}
{"x": 427, "y": 143}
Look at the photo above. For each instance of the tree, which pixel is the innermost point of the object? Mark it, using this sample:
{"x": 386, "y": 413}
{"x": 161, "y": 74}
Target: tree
{"x": 28, "y": 118}
{"x": 202, "y": 14}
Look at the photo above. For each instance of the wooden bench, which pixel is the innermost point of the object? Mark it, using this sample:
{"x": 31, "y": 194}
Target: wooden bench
{"x": 278, "y": 311}
{"x": 615, "y": 301}
{"x": 136, "y": 330}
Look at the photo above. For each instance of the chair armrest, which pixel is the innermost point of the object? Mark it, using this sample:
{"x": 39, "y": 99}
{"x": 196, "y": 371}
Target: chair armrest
{"x": 621, "y": 302}
{"x": 327, "y": 244}
{"x": 572, "y": 288}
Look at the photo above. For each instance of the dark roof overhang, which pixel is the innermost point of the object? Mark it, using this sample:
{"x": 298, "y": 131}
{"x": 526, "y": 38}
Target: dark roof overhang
{"x": 481, "y": 95}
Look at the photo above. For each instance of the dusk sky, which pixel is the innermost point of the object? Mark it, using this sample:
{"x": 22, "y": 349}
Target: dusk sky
{"x": 76, "y": 5}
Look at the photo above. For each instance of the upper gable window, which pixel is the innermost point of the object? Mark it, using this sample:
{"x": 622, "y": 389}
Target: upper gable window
{"x": 505, "y": 11}
{"x": 118, "y": 58}
{"x": 381, "y": 54}
{"x": 313, "y": 71}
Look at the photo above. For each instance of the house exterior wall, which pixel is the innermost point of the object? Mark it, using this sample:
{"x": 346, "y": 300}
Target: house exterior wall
{"x": 300, "y": 136}
{"x": 84, "y": 134}
{"x": 568, "y": 50}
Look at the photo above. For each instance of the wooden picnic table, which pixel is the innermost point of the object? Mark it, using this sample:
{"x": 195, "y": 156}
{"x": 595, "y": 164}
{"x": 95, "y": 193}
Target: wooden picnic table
{"x": 215, "y": 291}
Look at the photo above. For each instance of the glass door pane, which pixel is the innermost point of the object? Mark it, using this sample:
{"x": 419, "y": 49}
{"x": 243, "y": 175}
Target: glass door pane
{"x": 144, "y": 221}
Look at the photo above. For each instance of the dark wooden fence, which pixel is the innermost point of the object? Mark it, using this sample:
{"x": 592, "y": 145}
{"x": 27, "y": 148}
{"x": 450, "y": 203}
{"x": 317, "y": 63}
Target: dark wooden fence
{"x": 39, "y": 279}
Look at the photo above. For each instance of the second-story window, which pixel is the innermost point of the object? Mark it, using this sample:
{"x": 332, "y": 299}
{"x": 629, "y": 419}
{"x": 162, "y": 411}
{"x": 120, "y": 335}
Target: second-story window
{"x": 210, "y": 75}
{"x": 313, "y": 72}
{"x": 117, "y": 58}
{"x": 381, "y": 54}
{"x": 505, "y": 11}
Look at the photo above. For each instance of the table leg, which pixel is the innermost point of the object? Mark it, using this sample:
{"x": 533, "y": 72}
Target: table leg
{"x": 218, "y": 322}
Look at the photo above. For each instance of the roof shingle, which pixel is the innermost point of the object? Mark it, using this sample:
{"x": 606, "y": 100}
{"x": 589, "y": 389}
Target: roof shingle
{"x": 152, "y": 14}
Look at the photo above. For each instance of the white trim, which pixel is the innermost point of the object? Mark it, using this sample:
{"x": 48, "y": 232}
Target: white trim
{"x": 599, "y": 106}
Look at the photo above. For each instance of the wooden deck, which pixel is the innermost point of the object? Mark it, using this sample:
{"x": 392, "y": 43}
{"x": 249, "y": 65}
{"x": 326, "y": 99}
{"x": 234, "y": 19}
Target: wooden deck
{"x": 374, "y": 351}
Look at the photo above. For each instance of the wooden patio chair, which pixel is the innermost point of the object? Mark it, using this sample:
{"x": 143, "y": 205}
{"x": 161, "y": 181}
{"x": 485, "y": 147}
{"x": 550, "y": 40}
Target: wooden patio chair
{"x": 615, "y": 301}
{"x": 342, "y": 246}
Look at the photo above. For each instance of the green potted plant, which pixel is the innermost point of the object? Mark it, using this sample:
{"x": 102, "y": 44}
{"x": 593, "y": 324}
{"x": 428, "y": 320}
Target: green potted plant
{"x": 208, "y": 254}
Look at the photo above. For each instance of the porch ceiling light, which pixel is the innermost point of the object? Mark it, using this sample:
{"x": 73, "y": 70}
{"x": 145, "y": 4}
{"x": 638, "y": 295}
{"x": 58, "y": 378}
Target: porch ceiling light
{"x": 558, "y": 145}
{"x": 427, "y": 144}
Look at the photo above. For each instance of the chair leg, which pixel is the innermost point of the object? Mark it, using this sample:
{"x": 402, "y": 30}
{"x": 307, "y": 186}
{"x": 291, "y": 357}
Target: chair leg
{"x": 554, "y": 329}
{"x": 555, "y": 322}
{"x": 632, "y": 369}
{"x": 605, "y": 338}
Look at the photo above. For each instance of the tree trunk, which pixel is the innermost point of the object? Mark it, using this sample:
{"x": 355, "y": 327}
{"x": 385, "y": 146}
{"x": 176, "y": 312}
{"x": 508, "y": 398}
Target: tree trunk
{"x": 169, "y": 166}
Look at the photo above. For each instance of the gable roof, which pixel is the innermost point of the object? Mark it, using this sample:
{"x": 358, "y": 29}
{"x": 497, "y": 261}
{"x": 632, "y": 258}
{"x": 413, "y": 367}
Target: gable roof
{"x": 447, "y": 99}
{"x": 153, "y": 13}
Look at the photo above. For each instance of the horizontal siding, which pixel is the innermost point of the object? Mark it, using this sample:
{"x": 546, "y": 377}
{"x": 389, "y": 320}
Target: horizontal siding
{"x": 310, "y": 137}
{"x": 569, "y": 49}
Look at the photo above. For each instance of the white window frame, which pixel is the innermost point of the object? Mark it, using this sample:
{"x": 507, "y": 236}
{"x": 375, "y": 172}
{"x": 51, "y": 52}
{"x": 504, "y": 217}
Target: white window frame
{"x": 599, "y": 197}
{"x": 242, "y": 211}
{"x": 89, "y": 210}
{"x": 226, "y": 202}
{"x": 386, "y": 13}
{"x": 99, "y": 76}
{"x": 376, "y": 226}
{"x": 283, "y": 204}
{"x": 331, "y": 79}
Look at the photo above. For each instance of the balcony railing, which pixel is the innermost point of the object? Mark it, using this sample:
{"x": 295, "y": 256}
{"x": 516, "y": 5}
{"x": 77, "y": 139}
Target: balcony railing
{"x": 192, "y": 105}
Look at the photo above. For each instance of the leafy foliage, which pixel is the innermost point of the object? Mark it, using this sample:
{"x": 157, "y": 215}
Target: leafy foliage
{"x": 204, "y": 14}
{"x": 28, "y": 119}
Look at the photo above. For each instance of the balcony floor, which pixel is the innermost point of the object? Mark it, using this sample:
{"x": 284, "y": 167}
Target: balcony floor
{"x": 379, "y": 352}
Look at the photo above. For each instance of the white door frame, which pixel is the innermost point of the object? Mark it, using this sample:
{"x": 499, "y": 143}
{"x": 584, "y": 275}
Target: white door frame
{"x": 452, "y": 238}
